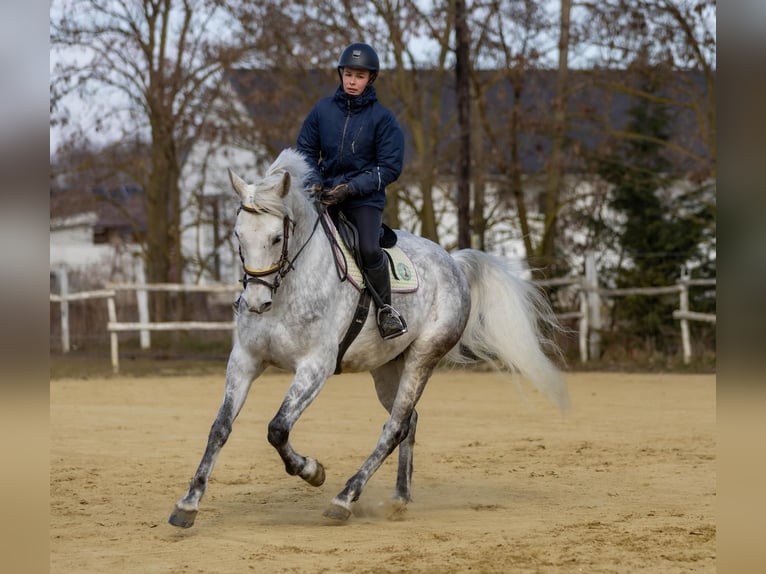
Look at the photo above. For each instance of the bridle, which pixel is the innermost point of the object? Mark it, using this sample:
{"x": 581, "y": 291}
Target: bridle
{"x": 281, "y": 267}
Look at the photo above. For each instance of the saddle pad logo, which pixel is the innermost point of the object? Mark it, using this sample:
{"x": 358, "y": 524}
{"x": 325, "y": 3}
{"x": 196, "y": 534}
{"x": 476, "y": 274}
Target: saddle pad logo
{"x": 403, "y": 271}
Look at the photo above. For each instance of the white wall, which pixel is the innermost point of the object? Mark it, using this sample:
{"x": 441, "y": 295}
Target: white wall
{"x": 72, "y": 248}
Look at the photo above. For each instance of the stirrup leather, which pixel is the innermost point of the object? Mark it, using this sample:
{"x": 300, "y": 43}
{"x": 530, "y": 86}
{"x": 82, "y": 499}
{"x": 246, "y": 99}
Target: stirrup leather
{"x": 386, "y": 316}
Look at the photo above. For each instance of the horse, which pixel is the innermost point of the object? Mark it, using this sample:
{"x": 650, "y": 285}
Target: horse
{"x": 293, "y": 312}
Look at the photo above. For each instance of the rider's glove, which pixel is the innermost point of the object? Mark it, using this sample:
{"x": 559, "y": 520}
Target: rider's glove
{"x": 316, "y": 190}
{"x": 336, "y": 195}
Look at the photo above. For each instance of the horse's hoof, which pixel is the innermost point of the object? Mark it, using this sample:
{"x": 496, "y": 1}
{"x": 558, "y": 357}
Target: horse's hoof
{"x": 313, "y": 472}
{"x": 337, "y": 513}
{"x": 182, "y": 518}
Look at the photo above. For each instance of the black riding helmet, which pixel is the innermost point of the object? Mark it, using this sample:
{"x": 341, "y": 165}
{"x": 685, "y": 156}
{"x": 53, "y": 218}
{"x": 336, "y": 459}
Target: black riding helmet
{"x": 360, "y": 56}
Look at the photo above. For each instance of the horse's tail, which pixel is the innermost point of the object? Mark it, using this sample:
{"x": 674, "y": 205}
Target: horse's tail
{"x": 504, "y": 325}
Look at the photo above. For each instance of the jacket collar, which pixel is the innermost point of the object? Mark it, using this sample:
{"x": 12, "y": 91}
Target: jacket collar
{"x": 367, "y": 97}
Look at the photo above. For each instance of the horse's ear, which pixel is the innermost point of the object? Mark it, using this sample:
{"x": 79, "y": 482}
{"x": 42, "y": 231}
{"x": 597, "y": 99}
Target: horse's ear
{"x": 239, "y": 184}
{"x": 285, "y": 184}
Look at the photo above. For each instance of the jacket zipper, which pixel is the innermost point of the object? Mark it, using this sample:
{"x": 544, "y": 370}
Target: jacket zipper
{"x": 343, "y": 137}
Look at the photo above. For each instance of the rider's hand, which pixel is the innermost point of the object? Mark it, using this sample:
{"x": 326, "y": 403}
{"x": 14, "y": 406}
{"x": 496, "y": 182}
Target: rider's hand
{"x": 336, "y": 195}
{"x": 316, "y": 190}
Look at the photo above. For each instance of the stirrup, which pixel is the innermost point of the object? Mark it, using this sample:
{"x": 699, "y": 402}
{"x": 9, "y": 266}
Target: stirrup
{"x": 388, "y": 312}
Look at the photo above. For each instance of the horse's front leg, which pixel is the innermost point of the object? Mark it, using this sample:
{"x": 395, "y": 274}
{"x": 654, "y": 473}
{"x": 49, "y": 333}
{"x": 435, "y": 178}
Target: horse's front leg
{"x": 240, "y": 373}
{"x": 308, "y": 381}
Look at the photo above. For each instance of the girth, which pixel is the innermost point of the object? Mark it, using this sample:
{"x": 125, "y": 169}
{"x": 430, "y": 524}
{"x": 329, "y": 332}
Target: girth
{"x": 357, "y": 322}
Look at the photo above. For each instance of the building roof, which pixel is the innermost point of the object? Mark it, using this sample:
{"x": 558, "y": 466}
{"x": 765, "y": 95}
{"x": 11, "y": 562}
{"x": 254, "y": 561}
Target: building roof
{"x": 598, "y": 104}
{"x": 119, "y": 210}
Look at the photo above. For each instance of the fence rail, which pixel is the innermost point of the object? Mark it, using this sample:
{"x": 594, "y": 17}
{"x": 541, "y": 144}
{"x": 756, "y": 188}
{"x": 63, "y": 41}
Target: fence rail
{"x": 669, "y": 290}
{"x": 144, "y": 325}
{"x": 693, "y": 316}
{"x": 82, "y": 296}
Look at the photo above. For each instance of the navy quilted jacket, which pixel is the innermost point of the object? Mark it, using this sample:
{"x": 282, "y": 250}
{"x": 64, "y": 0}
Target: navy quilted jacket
{"x": 354, "y": 140}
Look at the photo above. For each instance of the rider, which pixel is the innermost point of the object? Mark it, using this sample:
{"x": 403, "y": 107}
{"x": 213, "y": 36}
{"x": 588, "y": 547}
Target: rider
{"x": 356, "y": 148}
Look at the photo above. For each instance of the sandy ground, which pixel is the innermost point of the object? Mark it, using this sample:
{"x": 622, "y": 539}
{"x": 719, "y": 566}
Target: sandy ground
{"x": 503, "y": 482}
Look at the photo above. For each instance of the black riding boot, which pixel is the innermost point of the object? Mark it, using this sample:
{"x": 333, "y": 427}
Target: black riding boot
{"x": 390, "y": 323}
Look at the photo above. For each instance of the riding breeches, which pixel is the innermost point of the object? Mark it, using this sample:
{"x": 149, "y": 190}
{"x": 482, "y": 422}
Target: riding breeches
{"x": 368, "y": 221}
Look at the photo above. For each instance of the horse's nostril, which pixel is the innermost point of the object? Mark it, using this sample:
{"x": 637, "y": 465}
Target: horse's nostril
{"x": 263, "y": 307}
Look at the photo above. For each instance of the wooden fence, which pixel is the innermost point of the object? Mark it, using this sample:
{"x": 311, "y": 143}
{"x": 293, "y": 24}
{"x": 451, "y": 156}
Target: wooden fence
{"x": 588, "y": 314}
{"x": 145, "y": 326}
{"x": 65, "y": 298}
{"x": 682, "y": 314}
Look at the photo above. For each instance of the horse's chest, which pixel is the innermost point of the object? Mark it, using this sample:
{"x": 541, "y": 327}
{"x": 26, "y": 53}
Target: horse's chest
{"x": 283, "y": 340}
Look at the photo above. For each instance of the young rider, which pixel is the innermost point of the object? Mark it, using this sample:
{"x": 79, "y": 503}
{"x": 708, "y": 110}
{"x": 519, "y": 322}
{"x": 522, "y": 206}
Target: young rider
{"x": 356, "y": 149}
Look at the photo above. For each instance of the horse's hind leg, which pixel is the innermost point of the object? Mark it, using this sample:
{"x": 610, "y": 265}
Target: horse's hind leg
{"x": 238, "y": 381}
{"x": 386, "y": 384}
{"x": 403, "y": 492}
{"x": 396, "y": 430}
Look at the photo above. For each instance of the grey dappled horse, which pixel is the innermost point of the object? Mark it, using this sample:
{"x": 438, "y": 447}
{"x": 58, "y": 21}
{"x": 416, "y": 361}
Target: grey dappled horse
{"x": 294, "y": 311}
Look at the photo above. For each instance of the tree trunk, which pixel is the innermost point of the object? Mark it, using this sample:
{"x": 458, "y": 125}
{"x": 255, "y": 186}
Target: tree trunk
{"x": 463, "y": 89}
{"x": 478, "y": 222}
{"x": 425, "y": 144}
{"x": 163, "y": 214}
{"x": 428, "y": 227}
{"x": 517, "y": 189}
{"x": 547, "y": 251}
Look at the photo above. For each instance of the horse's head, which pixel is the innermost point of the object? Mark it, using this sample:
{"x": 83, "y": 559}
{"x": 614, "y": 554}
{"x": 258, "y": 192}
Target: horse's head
{"x": 262, "y": 229}
{"x": 268, "y": 211}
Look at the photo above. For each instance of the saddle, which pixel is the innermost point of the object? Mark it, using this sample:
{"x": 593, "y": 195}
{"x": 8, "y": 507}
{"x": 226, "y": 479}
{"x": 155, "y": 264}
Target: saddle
{"x": 344, "y": 239}
{"x": 404, "y": 277}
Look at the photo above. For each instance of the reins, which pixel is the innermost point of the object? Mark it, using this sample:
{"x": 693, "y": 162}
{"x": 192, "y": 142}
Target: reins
{"x": 340, "y": 269}
{"x": 284, "y": 265}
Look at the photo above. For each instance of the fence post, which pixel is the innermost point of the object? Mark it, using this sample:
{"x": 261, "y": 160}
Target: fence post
{"x": 583, "y": 325}
{"x": 683, "y": 306}
{"x": 63, "y": 280}
{"x": 112, "y": 312}
{"x": 594, "y": 305}
{"x": 142, "y": 300}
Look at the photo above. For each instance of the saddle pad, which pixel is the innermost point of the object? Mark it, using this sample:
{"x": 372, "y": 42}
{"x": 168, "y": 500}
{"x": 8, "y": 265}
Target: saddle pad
{"x": 404, "y": 281}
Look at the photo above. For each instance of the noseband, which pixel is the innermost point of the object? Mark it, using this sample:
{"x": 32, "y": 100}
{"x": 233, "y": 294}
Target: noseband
{"x": 283, "y": 266}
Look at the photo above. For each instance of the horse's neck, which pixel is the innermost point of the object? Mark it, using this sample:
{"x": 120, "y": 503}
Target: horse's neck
{"x": 314, "y": 265}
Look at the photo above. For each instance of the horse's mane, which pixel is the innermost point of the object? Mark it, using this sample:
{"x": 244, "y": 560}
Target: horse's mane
{"x": 263, "y": 196}
{"x": 292, "y": 161}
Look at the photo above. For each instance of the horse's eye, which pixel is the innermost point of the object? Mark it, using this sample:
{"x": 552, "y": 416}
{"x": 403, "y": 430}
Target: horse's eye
{"x": 277, "y": 239}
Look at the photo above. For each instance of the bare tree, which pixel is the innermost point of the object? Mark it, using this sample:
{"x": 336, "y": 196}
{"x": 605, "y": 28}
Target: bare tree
{"x": 510, "y": 44}
{"x": 674, "y": 36}
{"x": 159, "y": 66}
{"x": 417, "y": 82}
